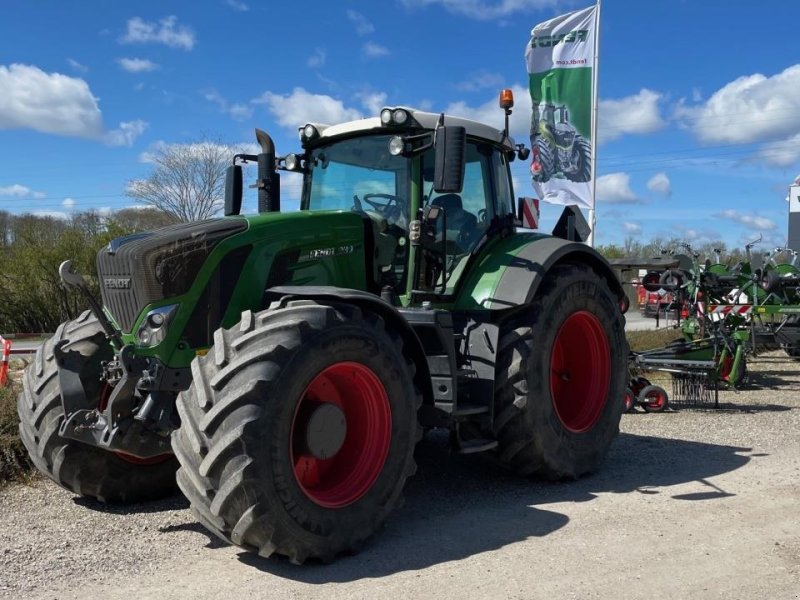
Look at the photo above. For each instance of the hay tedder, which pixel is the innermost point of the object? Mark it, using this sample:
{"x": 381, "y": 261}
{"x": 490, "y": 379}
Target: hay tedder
{"x": 726, "y": 312}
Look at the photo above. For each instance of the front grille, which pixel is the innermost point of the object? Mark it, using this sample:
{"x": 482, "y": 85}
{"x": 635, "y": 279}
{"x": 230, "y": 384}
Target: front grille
{"x": 142, "y": 269}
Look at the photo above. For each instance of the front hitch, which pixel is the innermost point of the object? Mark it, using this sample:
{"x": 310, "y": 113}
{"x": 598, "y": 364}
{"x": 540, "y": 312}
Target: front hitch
{"x": 76, "y": 280}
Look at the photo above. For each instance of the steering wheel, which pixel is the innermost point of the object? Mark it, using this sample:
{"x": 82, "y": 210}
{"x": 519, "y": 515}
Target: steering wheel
{"x": 381, "y": 207}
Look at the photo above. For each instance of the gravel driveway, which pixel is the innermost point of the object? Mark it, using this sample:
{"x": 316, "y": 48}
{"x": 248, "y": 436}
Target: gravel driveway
{"x": 689, "y": 504}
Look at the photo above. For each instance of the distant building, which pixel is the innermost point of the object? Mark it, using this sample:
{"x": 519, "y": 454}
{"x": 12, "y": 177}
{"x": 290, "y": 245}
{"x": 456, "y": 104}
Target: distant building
{"x": 793, "y": 237}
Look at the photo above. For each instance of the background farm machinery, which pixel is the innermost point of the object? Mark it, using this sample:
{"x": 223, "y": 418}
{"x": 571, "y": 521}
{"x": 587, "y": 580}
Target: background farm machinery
{"x": 725, "y": 312}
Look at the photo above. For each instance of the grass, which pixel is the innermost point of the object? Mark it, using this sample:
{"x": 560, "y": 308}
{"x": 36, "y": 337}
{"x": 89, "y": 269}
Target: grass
{"x": 15, "y": 465}
{"x": 651, "y": 338}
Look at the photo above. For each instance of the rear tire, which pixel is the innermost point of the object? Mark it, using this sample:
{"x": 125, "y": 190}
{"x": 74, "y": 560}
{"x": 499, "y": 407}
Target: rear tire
{"x": 560, "y": 425}
{"x": 78, "y": 467}
{"x": 248, "y": 422}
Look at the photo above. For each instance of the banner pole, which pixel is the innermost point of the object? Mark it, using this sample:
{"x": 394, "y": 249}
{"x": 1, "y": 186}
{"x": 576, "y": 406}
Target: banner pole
{"x": 592, "y": 211}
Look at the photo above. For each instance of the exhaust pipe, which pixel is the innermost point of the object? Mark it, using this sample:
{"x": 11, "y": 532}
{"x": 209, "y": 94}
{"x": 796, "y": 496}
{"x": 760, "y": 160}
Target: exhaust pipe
{"x": 269, "y": 180}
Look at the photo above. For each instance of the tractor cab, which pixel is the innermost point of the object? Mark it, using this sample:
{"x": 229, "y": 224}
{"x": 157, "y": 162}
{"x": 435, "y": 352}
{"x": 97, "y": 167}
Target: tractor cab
{"x": 435, "y": 188}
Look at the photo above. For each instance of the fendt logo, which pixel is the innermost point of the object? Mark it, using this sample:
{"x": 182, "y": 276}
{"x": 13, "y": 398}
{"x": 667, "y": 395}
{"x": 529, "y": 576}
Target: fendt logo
{"x": 117, "y": 283}
{"x": 548, "y": 41}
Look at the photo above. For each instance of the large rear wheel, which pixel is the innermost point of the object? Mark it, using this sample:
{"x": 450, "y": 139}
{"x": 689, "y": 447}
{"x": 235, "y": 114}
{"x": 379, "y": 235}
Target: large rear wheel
{"x": 562, "y": 369}
{"x": 83, "y": 469}
{"x": 298, "y": 432}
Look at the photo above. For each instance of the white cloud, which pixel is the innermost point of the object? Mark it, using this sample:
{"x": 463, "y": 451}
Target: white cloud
{"x": 238, "y": 112}
{"x": 68, "y": 203}
{"x": 660, "y": 184}
{"x": 750, "y": 109}
{"x": 489, "y": 113}
{"x": 317, "y": 59}
{"x": 20, "y": 191}
{"x": 373, "y": 102}
{"x": 47, "y": 102}
{"x": 166, "y": 31}
{"x": 751, "y": 221}
{"x": 373, "y": 50}
{"x": 783, "y": 153}
{"x": 77, "y": 66}
{"x": 480, "y": 80}
{"x": 301, "y": 107}
{"x": 635, "y": 114}
{"x": 237, "y": 6}
{"x": 137, "y": 65}
{"x": 484, "y": 10}
{"x": 363, "y": 26}
{"x": 126, "y": 134}
{"x": 632, "y": 228}
{"x": 615, "y": 188}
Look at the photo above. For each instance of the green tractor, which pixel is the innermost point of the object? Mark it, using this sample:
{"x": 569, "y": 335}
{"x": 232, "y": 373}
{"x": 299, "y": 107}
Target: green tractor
{"x": 287, "y": 363}
{"x": 559, "y": 150}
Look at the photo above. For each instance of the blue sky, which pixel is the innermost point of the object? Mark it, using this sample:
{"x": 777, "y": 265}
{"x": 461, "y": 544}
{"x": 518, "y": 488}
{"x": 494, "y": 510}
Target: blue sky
{"x": 699, "y": 107}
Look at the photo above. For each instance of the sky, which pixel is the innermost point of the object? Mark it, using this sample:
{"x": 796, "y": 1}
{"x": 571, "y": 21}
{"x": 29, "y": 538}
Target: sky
{"x": 699, "y": 110}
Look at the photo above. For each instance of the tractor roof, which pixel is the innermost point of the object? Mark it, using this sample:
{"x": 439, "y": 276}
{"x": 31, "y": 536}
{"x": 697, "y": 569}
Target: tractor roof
{"x": 418, "y": 120}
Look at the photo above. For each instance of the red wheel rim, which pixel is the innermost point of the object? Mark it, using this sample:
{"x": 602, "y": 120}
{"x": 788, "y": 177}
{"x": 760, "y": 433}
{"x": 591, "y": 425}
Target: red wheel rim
{"x": 655, "y": 400}
{"x": 580, "y": 371}
{"x": 350, "y": 473}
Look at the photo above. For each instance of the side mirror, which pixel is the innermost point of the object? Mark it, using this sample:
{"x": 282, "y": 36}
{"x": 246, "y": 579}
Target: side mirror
{"x": 449, "y": 155}
{"x": 233, "y": 190}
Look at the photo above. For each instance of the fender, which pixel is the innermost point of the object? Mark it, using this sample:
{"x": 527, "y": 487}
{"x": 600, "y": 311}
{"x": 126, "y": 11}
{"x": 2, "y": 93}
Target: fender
{"x": 510, "y": 271}
{"x": 394, "y": 319}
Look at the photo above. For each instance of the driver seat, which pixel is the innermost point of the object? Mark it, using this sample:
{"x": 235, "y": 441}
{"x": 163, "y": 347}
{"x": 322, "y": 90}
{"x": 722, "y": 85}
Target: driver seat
{"x": 461, "y": 224}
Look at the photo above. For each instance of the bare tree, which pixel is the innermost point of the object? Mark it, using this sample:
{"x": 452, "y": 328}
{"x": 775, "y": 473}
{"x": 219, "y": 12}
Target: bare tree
{"x": 187, "y": 181}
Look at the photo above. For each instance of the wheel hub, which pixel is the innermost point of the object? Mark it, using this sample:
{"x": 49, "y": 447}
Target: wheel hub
{"x": 326, "y": 431}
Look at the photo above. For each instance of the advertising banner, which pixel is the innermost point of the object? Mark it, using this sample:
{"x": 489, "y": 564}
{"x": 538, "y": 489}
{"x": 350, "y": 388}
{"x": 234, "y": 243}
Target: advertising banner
{"x": 561, "y": 62}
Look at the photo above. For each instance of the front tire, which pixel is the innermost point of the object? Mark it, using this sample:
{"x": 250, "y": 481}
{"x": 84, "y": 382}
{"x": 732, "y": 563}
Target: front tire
{"x": 582, "y": 158}
{"x": 78, "y": 467}
{"x": 298, "y": 432}
{"x": 562, "y": 369}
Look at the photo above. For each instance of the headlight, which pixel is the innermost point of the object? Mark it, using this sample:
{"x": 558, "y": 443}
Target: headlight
{"x": 155, "y": 325}
{"x": 395, "y": 117}
{"x": 397, "y": 145}
{"x": 308, "y": 133}
{"x": 291, "y": 162}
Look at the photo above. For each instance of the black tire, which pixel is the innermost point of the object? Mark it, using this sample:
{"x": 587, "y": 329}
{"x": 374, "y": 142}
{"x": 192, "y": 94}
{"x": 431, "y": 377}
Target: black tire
{"x": 654, "y": 398}
{"x": 546, "y": 160}
{"x": 78, "y": 467}
{"x": 239, "y": 466}
{"x": 582, "y": 158}
{"x": 533, "y": 437}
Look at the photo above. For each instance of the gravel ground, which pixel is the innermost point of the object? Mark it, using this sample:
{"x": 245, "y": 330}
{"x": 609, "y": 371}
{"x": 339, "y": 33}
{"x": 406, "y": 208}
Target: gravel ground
{"x": 689, "y": 504}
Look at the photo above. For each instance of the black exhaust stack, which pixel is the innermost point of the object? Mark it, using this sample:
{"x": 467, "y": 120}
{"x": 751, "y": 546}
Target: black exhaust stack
{"x": 269, "y": 180}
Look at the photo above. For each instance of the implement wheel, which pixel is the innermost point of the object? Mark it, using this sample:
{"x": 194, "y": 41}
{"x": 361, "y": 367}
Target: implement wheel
{"x": 79, "y": 467}
{"x": 654, "y": 398}
{"x": 298, "y": 431}
{"x": 561, "y": 371}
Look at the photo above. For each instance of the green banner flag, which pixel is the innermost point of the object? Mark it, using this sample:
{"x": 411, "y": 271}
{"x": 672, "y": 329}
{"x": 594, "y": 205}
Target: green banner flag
{"x": 561, "y": 57}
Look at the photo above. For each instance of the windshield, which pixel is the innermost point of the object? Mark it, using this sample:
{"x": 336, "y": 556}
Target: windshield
{"x": 359, "y": 174}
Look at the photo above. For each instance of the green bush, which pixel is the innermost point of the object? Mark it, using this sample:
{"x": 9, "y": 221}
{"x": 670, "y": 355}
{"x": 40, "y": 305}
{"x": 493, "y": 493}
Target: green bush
{"x": 14, "y": 462}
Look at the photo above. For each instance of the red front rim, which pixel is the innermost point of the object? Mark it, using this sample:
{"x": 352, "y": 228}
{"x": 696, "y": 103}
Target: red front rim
{"x": 350, "y": 473}
{"x": 580, "y": 371}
